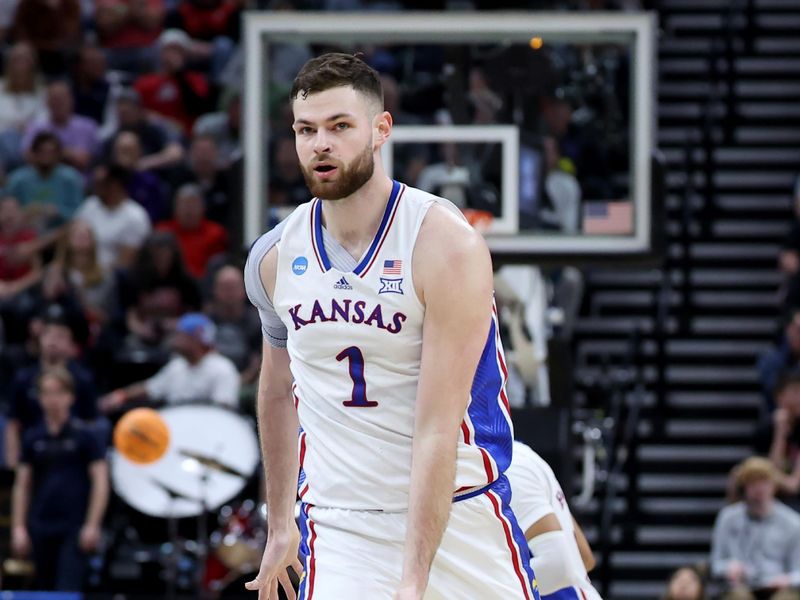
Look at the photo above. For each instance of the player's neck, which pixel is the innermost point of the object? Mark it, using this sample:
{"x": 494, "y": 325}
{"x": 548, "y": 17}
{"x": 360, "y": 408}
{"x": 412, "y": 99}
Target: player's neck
{"x": 353, "y": 221}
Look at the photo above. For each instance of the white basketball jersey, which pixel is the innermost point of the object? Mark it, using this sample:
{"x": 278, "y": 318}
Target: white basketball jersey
{"x": 536, "y": 493}
{"x": 355, "y": 341}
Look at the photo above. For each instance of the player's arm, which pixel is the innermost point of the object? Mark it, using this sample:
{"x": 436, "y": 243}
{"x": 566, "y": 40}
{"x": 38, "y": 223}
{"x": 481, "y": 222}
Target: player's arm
{"x": 277, "y": 428}
{"x": 453, "y": 276}
{"x": 587, "y": 556}
{"x": 550, "y": 555}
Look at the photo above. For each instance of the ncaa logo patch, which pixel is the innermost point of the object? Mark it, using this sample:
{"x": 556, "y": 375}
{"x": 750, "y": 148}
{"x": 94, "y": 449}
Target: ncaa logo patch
{"x": 391, "y": 286}
{"x": 300, "y": 265}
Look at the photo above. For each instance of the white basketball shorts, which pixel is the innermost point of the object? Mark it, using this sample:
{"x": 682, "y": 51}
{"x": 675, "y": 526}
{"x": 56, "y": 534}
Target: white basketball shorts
{"x": 358, "y": 555}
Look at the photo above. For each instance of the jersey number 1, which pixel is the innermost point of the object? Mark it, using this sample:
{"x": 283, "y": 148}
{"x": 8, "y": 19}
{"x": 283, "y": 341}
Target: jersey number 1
{"x": 356, "y": 360}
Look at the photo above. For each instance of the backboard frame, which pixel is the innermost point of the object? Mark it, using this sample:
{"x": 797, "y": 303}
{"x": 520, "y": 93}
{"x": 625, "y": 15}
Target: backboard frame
{"x": 263, "y": 28}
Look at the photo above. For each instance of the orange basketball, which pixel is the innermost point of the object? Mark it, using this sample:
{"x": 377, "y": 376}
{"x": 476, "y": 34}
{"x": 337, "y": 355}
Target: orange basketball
{"x": 141, "y": 436}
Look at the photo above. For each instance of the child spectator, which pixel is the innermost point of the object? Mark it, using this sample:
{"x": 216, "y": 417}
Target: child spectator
{"x": 61, "y": 489}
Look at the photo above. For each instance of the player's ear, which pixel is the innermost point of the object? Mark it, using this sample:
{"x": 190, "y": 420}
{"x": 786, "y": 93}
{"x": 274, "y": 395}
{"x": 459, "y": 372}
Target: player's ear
{"x": 382, "y": 128}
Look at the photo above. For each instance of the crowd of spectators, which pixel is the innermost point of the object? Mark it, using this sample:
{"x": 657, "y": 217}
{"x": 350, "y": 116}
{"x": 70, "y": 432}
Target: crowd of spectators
{"x": 121, "y": 213}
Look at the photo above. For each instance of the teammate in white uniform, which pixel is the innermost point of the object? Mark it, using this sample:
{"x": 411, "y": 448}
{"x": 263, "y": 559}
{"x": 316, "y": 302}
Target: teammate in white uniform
{"x": 561, "y": 554}
{"x": 381, "y": 344}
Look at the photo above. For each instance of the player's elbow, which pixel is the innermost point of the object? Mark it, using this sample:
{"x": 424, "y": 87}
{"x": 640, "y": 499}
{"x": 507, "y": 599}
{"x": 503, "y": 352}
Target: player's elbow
{"x": 551, "y": 562}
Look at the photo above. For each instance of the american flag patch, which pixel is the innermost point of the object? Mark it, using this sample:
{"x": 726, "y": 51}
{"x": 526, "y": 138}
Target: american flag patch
{"x": 392, "y": 267}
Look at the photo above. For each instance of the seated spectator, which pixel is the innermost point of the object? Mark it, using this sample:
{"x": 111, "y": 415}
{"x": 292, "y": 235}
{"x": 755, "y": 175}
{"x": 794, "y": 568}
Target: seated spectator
{"x": 203, "y": 169}
{"x": 91, "y": 87}
{"x": 238, "y": 326}
{"x": 144, "y": 185}
{"x": 174, "y": 92}
{"x": 78, "y": 134}
{"x": 60, "y": 491}
{"x": 161, "y": 147}
{"x": 197, "y": 372}
{"x": 120, "y": 225}
{"x": 45, "y": 186}
{"x": 21, "y": 99}
{"x": 77, "y": 260}
{"x": 200, "y": 239}
{"x": 777, "y": 360}
{"x": 208, "y": 19}
{"x": 780, "y": 436}
{"x": 158, "y": 291}
{"x": 57, "y": 348}
{"x": 53, "y": 27}
{"x": 685, "y": 583}
{"x": 224, "y": 128}
{"x": 18, "y": 271}
{"x": 213, "y": 26}
{"x": 128, "y": 30}
{"x": 756, "y": 542}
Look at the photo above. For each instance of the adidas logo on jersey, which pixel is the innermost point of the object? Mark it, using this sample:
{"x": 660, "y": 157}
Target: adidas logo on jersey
{"x": 342, "y": 285}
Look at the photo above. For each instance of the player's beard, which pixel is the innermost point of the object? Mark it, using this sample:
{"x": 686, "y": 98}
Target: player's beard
{"x": 349, "y": 179}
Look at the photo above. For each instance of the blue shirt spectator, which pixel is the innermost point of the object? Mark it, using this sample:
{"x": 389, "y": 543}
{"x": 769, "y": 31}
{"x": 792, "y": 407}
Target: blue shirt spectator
{"x": 45, "y": 181}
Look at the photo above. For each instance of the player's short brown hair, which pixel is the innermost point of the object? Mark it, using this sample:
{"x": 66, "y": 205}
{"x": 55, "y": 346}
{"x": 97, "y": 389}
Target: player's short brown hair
{"x": 753, "y": 469}
{"x": 336, "y": 69}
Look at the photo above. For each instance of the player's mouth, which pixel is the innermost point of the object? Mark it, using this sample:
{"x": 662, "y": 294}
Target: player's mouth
{"x": 325, "y": 170}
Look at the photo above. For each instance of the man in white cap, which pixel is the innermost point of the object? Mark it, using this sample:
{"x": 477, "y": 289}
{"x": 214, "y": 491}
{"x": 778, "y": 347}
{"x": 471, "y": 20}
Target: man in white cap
{"x": 197, "y": 372}
{"x": 174, "y": 91}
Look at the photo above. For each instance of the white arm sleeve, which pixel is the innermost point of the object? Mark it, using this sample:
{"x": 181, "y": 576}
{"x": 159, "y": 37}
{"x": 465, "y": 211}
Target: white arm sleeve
{"x": 272, "y": 328}
{"x": 551, "y": 564}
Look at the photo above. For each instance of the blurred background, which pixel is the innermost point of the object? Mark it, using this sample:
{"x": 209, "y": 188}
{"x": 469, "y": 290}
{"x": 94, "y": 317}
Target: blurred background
{"x": 645, "y": 379}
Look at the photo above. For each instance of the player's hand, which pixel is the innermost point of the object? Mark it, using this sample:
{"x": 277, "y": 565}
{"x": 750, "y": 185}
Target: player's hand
{"x": 408, "y": 592}
{"x": 89, "y": 538}
{"x": 20, "y": 542}
{"x": 279, "y": 555}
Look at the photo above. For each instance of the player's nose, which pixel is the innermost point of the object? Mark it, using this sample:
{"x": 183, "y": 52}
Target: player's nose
{"x": 322, "y": 142}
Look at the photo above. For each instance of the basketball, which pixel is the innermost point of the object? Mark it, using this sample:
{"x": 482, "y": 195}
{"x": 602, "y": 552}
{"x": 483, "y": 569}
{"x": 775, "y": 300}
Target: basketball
{"x": 141, "y": 436}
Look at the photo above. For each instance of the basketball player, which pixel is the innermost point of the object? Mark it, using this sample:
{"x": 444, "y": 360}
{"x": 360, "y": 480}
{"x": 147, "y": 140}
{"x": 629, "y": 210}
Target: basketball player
{"x": 382, "y": 297}
{"x": 561, "y": 554}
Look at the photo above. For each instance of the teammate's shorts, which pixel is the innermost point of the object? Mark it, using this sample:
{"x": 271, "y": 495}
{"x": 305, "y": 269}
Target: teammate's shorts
{"x": 358, "y": 555}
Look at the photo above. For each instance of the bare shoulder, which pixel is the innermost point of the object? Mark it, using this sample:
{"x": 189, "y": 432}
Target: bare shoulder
{"x": 449, "y": 251}
{"x": 444, "y": 236}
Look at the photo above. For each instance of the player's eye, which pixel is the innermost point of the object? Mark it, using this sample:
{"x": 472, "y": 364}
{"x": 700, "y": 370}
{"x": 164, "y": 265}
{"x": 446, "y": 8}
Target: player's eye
{"x": 304, "y": 131}
{"x": 342, "y": 126}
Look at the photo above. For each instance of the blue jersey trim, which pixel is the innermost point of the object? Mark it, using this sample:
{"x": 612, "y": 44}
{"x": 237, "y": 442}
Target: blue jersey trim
{"x": 492, "y": 430}
{"x": 567, "y": 593}
{"x": 384, "y": 221}
{"x": 326, "y": 263}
